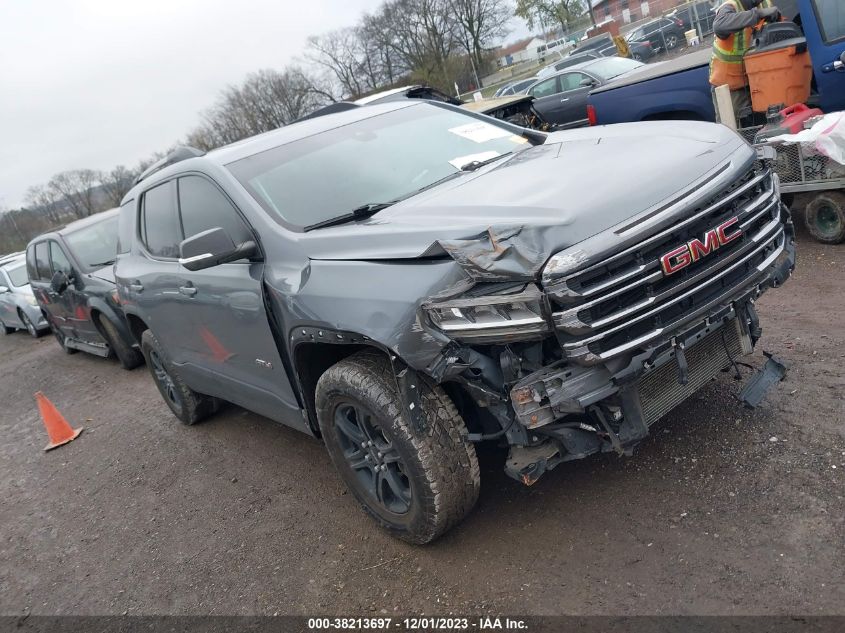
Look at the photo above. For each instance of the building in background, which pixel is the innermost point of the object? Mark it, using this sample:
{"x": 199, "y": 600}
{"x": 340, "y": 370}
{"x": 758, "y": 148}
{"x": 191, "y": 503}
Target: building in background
{"x": 627, "y": 11}
{"x": 518, "y": 52}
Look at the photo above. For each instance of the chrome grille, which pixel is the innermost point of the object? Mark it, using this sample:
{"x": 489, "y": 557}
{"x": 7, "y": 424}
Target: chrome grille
{"x": 625, "y": 301}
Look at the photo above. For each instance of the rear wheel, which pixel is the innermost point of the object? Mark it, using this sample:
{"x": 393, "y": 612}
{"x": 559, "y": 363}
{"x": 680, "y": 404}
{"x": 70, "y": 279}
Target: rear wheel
{"x": 185, "y": 403}
{"x": 129, "y": 357}
{"x": 671, "y": 41}
{"x": 825, "y": 217}
{"x": 415, "y": 483}
{"x": 637, "y": 57}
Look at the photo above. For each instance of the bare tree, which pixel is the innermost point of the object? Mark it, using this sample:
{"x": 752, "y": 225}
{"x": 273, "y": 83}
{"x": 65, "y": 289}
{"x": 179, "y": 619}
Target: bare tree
{"x": 267, "y": 99}
{"x": 76, "y": 189}
{"x": 563, "y": 12}
{"x": 44, "y": 200}
{"x": 116, "y": 183}
{"x": 479, "y": 22}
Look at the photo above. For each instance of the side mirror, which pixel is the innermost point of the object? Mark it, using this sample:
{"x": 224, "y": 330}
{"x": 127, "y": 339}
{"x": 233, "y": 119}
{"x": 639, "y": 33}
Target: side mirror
{"x": 3, "y": 290}
{"x": 213, "y": 247}
{"x": 59, "y": 282}
{"x": 587, "y": 82}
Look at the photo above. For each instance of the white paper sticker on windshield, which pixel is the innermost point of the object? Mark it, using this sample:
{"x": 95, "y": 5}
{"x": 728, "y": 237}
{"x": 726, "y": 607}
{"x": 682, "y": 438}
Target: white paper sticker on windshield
{"x": 461, "y": 161}
{"x": 480, "y": 132}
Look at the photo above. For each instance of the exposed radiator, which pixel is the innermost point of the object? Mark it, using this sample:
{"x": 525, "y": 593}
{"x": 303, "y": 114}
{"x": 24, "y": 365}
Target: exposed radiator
{"x": 660, "y": 391}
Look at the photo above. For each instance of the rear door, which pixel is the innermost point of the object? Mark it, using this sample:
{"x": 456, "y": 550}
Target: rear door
{"x": 8, "y": 309}
{"x": 573, "y": 98}
{"x": 235, "y": 355}
{"x": 546, "y": 99}
{"x": 152, "y": 284}
{"x": 40, "y": 274}
{"x": 824, "y": 28}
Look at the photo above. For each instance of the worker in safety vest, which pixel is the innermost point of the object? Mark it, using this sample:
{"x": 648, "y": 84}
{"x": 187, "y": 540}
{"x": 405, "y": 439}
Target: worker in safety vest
{"x": 733, "y": 26}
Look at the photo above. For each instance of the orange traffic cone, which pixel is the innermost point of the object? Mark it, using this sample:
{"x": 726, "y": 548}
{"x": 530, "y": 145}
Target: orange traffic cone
{"x": 57, "y": 427}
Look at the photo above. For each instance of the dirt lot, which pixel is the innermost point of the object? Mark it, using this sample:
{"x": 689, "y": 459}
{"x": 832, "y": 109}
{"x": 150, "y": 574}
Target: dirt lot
{"x": 721, "y": 511}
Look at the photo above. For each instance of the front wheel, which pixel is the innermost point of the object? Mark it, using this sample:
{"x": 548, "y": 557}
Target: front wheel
{"x": 129, "y": 357}
{"x": 637, "y": 57}
{"x": 185, "y": 403}
{"x": 29, "y": 325}
{"x": 4, "y": 329}
{"x": 825, "y": 217}
{"x": 416, "y": 484}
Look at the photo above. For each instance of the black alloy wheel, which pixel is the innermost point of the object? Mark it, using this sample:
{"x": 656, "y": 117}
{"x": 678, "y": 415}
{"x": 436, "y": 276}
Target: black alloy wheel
{"x": 375, "y": 462}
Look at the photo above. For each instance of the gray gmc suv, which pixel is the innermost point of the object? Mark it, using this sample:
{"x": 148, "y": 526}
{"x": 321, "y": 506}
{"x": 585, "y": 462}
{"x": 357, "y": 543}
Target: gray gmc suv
{"x": 408, "y": 279}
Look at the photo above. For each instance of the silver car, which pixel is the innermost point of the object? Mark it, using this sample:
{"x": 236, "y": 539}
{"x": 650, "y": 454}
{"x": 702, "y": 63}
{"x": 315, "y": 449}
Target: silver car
{"x": 18, "y": 308}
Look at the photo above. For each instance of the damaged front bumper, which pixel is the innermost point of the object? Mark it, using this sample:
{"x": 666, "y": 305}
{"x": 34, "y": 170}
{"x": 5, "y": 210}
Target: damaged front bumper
{"x": 573, "y": 411}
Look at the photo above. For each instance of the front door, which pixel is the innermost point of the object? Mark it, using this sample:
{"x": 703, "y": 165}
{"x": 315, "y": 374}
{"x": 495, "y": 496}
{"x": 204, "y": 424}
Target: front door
{"x": 824, "y": 28}
{"x": 73, "y": 301}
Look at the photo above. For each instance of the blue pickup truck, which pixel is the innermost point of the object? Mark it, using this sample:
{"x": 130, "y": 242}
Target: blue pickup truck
{"x": 680, "y": 88}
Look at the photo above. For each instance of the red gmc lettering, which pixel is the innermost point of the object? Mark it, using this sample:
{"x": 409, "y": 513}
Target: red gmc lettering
{"x": 681, "y": 258}
{"x": 695, "y": 249}
{"x": 724, "y": 238}
{"x": 711, "y": 243}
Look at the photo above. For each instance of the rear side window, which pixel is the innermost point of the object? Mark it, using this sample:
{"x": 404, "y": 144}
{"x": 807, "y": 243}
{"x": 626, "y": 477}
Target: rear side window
{"x": 59, "y": 259}
{"x": 831, "y": 15}
{"x": 126, "y": 227}
{"x": 160, "y": 230}
{"x": 204, "y": 206}
{"x": 545, "y": 88}
{"x": 42, "y": 261}
{"x": 31, "y": 268}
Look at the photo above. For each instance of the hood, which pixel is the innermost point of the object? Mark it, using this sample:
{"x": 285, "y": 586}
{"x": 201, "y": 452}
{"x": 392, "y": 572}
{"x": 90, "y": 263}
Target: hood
{"x": 543, "y": 199}
{"x": 106, "y": 273}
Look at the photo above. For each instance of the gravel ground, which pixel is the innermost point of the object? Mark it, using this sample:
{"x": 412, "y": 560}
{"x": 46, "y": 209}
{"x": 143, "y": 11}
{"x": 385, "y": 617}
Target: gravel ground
{"x": 721, "y": 511}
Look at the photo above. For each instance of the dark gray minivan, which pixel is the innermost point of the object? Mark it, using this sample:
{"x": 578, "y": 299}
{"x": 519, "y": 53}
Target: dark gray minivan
{"x": 70, "y": 272}
{"x": 407, "y": 279}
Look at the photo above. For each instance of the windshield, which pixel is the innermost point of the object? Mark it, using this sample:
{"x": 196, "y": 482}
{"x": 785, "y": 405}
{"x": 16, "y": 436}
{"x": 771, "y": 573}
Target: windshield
{"x": 96, "y": 244}
{"x": 611, "y": 67}
{"x": 381, "y": 159}
{"x": 17, "y": 275}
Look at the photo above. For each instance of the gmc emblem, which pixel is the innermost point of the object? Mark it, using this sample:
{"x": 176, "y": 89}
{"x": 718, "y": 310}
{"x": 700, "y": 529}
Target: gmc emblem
{"x": 681, "y": 257}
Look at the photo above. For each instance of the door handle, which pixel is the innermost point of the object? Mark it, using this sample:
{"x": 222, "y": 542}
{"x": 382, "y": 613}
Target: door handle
{"x": 136, "y": 287}
{"x": 564, "y": 100}
{"x": 188, "y": 291}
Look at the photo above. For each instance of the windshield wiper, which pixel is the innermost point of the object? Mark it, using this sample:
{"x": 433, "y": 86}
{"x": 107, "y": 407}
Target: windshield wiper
{"x": 362, "y": 212}
{"x": 101, "y": 264}
{"x": 477, "y": 164}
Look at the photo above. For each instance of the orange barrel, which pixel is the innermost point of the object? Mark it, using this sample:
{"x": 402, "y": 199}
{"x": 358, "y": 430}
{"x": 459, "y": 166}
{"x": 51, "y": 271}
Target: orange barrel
{"x": 780, "y": 73}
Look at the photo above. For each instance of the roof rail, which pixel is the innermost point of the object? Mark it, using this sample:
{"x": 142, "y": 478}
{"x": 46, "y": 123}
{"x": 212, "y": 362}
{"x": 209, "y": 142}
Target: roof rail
{"x": 339, "y": 106}
{"x": 183, "y": 152}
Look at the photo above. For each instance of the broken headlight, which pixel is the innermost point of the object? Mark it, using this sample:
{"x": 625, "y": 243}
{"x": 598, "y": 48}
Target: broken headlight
{"x": 492, "y": 318}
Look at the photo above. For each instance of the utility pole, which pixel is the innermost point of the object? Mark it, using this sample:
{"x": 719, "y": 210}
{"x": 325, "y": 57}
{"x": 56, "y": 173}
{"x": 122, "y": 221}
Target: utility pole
{"x": 590, "y": 11}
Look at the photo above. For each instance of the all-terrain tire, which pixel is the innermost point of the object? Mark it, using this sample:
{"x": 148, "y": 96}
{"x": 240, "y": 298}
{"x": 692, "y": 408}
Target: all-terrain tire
{"x": 129, "y": 357}
{"x": 824, "y": 217}
{"x": 438, "y": 463}
{"x": 186, "y": 404}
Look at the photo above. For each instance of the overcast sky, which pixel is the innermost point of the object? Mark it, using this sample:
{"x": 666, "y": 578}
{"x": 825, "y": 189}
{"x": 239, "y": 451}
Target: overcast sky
{"x": 95, "y": 83}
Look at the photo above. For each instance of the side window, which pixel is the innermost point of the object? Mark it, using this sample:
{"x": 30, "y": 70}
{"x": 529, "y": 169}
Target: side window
{"x": 203, "y": 206}
{"x": 59, "y": 259}
{"x": 545, "y": 88}
{"x": 571, "y": 81}
{"x": 31, "y": 266}
{"x": 831, "y": 14}
{"x": 126, "y": 227}
{"x": 42, "y": 261}
{"x": 160, "y": 222}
